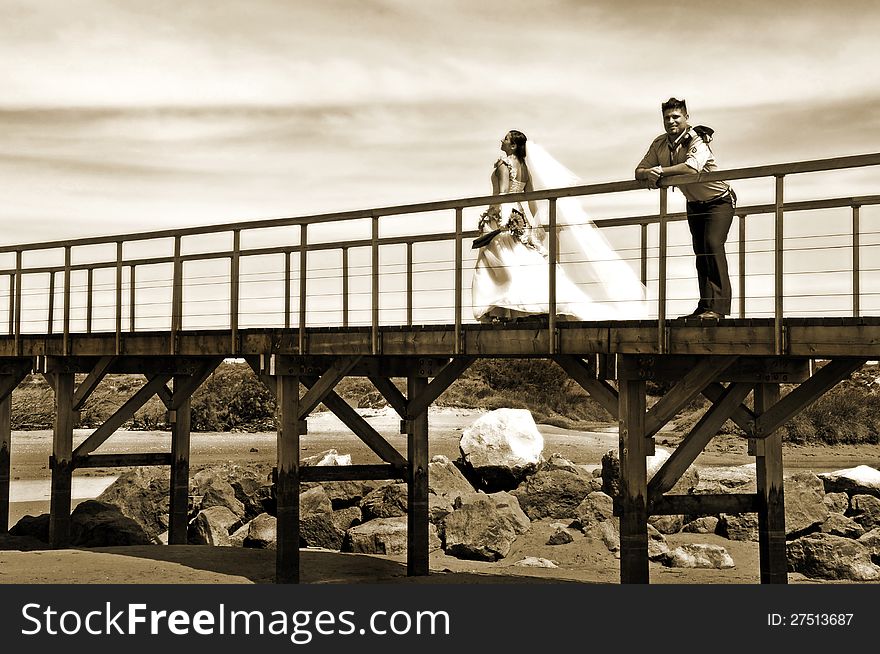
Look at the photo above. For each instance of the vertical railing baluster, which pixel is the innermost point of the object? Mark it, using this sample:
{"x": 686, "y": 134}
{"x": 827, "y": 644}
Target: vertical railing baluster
{"x": 742, "y": 266}
{"x": 119, "y": 297}
{"x": 176, "y": 295}
{"x": 234, "y": 289}
{"x": 458, "y": 281}
{"x": 778, "y": 237}
{"x": 18, "y": 284}
{"x": 287, "y": 289}
{"x": 643, "y": 247}
{"x": 51, "y": 316}
{"x": 661, "y": 274}
{"x": 374, "y": 258}
{"x": 409, "y": 284}
{"x": 856, "y": 281}
{"x": 132, "y": 296}
{"x": 345, "y": 287}
{"x": 90, "y": 277}
{"x": 303, "y": 287}
{"x": 11, "y": 304}
{"x": 551, "y": 284}
{"x": 65, "y": 342}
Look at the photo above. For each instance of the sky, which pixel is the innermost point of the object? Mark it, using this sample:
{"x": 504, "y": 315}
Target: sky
{"x": 122, "y": 116}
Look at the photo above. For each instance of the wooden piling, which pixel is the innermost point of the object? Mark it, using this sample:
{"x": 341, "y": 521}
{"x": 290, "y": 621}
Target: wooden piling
{"x": 771, "y": 499}
{"x": 180, "y": 415}
{"x": 633, "y": 484}
{"x": 287, "y": 483}
{"x": 62, "y": 458}
{"x": 417, "y": 557}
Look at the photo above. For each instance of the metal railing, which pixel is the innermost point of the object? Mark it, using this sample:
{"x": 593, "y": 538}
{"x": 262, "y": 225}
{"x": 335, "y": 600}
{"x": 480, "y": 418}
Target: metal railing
{"x": 304, "y": 249}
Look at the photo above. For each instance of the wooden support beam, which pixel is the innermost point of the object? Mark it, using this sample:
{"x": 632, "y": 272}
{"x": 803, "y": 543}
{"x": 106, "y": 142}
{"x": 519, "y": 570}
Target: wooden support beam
{"x": 189, "y": 384}
{"x": 705, "y": 504}
{"x": 771, "y": 496}
{"x": 5, "y": 460}
{"x": 352, "y": 473}
{"x": 288, "y": 481}
{"x": 327, "y": 382}
{"x": 90, "y": 383}
{"x": 417, "y": 546}
{"x": 178, "y": 509}
{"x": 62, "y": 456}
{"x": 122, "y": 460}
{"x": 742, "y": 415}
{"x": 389, "y": 391}
{"x": 360, "y": 427}
{"x": 10, "y": 381}
{"x": 633, "y": 484}
{"x": 121, "y": 415}
{"x": 443, "y": 380}
{"x": 267, "y": 379}
{"x": 694, "y": 443}
{"x": 585, "y": 376}
{"x": 685, "y": 390}
{"x": 804, "y": 395}
{"x": 165, "y": 394}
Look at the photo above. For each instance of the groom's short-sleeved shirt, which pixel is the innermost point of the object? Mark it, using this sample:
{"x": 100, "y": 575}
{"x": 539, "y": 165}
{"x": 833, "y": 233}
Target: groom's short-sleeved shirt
{"x": 691, "y": 150}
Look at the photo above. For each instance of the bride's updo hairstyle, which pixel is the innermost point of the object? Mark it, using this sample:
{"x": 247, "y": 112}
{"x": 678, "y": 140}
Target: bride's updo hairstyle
{"x": 519, "y": 144}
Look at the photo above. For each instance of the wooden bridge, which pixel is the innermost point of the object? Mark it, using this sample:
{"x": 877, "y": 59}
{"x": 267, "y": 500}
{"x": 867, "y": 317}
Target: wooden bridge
{"x": 310, "y": 300}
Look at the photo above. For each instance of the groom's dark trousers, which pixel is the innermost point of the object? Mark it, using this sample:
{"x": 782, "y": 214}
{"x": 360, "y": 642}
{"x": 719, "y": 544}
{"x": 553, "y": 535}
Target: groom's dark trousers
{"x": 709, "y": 223}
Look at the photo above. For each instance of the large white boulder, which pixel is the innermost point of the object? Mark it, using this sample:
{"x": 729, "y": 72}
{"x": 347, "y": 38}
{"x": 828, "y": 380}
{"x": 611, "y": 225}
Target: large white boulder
{"x": 861, "y": 480}
{"x": 501, "y": 447}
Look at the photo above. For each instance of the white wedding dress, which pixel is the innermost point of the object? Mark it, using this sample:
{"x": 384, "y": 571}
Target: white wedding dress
{"x": 511, "y": 277}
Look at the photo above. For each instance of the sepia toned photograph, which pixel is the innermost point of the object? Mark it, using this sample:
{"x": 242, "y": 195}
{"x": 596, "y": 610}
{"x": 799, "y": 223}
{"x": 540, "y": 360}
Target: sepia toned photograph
{"x": 439, "y": 293}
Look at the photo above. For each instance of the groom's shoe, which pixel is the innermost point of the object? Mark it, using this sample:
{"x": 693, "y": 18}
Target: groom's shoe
{"x": 710, "y": 315}
{"x": 693, "y": 314}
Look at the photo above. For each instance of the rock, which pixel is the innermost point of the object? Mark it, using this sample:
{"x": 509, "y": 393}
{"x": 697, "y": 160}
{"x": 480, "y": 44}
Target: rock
{"x": 861, "y": 480}
{"x": 314, "y": 500}
{"x": 704, "y": 525}
{"x": 560, "y": 536}
{"x": 500, "y": 448}
{"x": 657, "y": 545}
{"x": 327, "y": 458}
{"x": 262, "y": 532}
{"x": 99, "y": 524}
{"x": 595, "y": 508}
{"x": 607, "y": 532}
{"x": 727, "y": 479}
{"x": 824, "y": 556}
{"x": 439, "y": 506}
{"x": 804, "y": 502}
{"x": 388, "y": 501}
{"x": 865, "y": 509}
{"x": 871, "y": 541}
{"x": 611, "y": 473}
{"x": 343, "y": 494}
{"x": 483, "y": 527}
{"x": 211, "y": 526}
{"x": 667, "y": 524}
{"x": 36, "y": 527}
{"x": 699, "y": 555}
{"x": 742, "y": 526}
{"x": 236, "y": 538}
{"x": 838, "y": 524}
{"x": 836, "y": 502}
{"x": 328, "y": 529}
{"x": 444, "y": 478}
{"x": 535, "y": 562}
{"x": 142, "y": 494}
{"x": 384, "y": 536}
{"x": 558, "y": 462}
{"x": 552, "y": 493}
{"x": 372, "y": 400}
{"x": 221, "y": 493}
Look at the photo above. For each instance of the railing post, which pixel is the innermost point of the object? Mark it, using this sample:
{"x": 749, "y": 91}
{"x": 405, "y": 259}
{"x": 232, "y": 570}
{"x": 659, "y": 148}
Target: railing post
{"x": 90, "y": 277}
{"x": 661, "y": 281}
{"x": 286, "y": 289}
{"x": 131, "y": 298}
{"x": 374, "y": 246}
{"x": 65, "y": 342}
{"x": 11, "y": 304}
{"x": 856, "y": 282}
{"x": 51, "y": 317}
{"x": 303, "y": 286}
{"x": 176, "y": 296}
{"x": 643, "y": 247}
{"x": 778, "y": 266}
{"x": 409, "y": 283}
{"x": 345, "y": 287}
{"x": 458, "y": 280}
{"x": 551, "y": 305}
{"x": 234, "y": 288}
{"x": 742, "y": 266}
{"x": 119, "y": 297}
{"x": 18, "y": 284}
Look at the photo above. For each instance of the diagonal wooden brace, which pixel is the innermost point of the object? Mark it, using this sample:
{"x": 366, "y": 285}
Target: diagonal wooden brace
{"x": 325, "y": 385}
{"x": 687, "y": 388}
{"x": 192, "y": 382}
{"x": 417, "y": 405}
{"x": 694, "y": 443}
{"x": 391, "y": 393}
{"x": 583, "y": 374}
{"x": 9, "y": 382}
{"x": 90, "y": 383}
{"x": 804, "y": 395}
{"x": 742, "y": 415}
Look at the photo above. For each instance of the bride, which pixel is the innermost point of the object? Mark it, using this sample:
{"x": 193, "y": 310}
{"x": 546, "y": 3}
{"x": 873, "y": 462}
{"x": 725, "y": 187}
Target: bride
{"x": 511, "y": 278}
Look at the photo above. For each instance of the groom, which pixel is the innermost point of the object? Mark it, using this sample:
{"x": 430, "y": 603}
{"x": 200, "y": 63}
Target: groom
{"x": 684, "y": 150}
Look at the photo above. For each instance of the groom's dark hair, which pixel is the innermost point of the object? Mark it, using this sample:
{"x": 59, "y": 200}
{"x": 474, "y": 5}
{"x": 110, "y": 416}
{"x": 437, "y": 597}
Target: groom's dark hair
{"x": 674, "y": 103}
{"x": 519, "y": 143}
